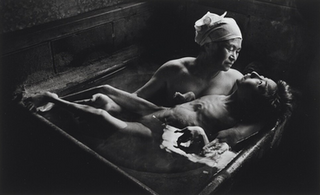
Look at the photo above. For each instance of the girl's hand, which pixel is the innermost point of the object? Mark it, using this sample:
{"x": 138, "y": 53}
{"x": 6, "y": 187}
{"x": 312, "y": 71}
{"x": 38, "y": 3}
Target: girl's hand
{"x": 192, "y": 140}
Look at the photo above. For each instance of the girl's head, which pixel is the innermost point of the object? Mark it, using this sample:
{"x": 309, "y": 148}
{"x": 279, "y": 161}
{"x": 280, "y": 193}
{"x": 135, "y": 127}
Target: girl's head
{"x": 261, "y": 97}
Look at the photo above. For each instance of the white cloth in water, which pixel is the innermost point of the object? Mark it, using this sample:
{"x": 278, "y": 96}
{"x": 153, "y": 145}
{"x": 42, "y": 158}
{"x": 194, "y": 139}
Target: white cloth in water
{"x": 218, "y": 156}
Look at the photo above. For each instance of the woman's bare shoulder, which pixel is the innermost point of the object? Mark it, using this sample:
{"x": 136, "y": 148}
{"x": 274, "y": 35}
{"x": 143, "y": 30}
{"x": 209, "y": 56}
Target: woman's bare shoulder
{"x": 233, "y": 73}
{"x": 179, "y": 64}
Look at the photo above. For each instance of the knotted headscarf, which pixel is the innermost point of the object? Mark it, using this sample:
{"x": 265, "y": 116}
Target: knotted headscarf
{"x": 212, "y": 27}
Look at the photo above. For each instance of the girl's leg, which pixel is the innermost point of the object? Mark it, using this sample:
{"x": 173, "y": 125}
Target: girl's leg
{"x": 131, "y": 128}
{"x": 131, "y": 102}
{"x": 90, "y": 112}
{"x": 85, "y": 94}
{"x": 103, "y": 102}
{"x": 124, "y": 99}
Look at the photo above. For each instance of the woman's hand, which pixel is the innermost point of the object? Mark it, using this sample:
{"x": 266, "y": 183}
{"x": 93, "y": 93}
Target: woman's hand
{"x": 230, "y": 136}
{"x": 192, "y": 140}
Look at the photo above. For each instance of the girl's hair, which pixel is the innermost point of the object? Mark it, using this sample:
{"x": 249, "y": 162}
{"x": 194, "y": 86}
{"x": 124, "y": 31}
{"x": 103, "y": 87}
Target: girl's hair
{"x": 270, "y": 105}
{"x": 281, "y": 101}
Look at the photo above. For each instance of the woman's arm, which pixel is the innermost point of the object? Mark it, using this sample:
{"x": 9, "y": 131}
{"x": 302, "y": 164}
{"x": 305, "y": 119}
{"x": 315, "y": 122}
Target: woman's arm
{"x": 154, "y": 85}
{"x": 236, "y": 134}
{"x": 159, "y": 80}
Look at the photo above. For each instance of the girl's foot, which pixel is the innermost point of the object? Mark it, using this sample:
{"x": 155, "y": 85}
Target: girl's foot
{"x": 41, "y": 102}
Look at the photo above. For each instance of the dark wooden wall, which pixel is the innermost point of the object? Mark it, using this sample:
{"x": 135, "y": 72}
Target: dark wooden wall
{"x": 18, "y": 15}
{"x": 42, "y": 51}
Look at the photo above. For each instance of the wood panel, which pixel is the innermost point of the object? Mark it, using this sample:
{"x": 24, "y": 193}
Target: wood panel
{"x": 81, "y": 48}
{"x": 29, "y": 65}
{"x": 58, "y": 29}
{"x": 56, "y": 47}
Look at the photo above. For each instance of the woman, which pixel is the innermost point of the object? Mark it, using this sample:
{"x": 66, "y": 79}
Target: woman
{"x": 209, "y": 73}
{"x": 256, "y": 97}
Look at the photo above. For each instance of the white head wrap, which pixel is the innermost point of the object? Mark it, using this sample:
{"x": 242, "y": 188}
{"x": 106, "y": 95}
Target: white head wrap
{"x": 212, "y": 27}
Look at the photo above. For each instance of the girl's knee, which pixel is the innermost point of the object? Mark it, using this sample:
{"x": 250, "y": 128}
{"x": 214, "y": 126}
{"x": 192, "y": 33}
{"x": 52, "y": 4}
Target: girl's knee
{"x": 104, "y": 102}
{"x": 97, "y": 96}
{"x": 107, "y": 88}
{"x": 101, "y": 98}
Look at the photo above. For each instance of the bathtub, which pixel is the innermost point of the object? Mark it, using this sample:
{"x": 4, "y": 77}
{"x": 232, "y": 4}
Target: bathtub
{"x": 163, "y": 176}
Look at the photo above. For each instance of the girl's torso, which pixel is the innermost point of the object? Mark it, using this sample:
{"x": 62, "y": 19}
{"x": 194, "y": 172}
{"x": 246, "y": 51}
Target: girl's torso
{"x": 208, "y": 112}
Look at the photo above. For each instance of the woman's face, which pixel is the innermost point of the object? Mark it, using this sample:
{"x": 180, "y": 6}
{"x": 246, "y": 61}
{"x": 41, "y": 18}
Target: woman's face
{"x": 226, "y": 54}
{"x": 253, "y": 83}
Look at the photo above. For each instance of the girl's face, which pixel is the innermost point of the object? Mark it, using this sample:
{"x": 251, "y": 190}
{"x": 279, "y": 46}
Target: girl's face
{"x": 225, "y": 53}
{"x": 253, "y": 83}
